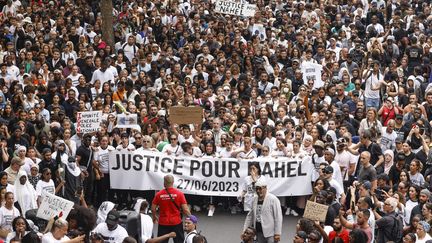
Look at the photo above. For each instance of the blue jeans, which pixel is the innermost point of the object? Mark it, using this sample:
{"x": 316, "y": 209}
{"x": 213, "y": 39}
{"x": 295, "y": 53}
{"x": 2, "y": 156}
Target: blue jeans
{"x": 373, "y": 102}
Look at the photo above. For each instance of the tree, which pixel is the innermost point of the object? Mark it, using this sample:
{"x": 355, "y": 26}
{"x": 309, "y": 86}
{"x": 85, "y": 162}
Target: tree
{"x": 106, "y": 7}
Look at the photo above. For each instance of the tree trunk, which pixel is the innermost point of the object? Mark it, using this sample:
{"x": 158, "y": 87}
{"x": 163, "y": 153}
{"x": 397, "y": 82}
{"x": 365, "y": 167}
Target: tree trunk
{"x": 106, "y": 8}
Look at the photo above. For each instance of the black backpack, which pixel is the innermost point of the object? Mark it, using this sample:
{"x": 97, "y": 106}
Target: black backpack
{"x": 396, "y": 233}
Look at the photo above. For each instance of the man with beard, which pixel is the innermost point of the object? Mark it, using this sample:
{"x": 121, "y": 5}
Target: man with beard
{"x": 339, "y": 231}
{"x": 110, "y": 230}
{"x": 71, "y": 105}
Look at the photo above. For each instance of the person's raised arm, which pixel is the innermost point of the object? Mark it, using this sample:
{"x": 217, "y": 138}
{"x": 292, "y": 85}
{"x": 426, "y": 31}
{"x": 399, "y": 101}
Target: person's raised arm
{"x": 162, "y": 238}
{"x": 321, "y": 230}
{"x": 344, "y": 221}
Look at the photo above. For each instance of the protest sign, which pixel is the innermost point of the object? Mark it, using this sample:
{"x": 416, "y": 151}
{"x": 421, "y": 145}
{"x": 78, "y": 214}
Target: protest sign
{"x": 128, "y": 121}
{"x": 315, "y": 211}
{"x": 52, "y": 205}
{"x": 312, "y": 71}
{"x": 88, "y": 121}
{"x": 145, "y": 170}
{"x": 235, "y": 8}
{"x": 186, "y": 115}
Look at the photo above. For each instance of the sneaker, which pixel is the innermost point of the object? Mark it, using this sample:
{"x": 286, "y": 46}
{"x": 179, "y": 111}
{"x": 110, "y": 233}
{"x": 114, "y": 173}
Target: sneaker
{"x": 196, "y": 208}
{"x": 211, "y": 210}
{"x": 288, "y": 211}
{"x": 294, "y": 213}
{"x": 233, "y": 210}
{"x": 238, "y": 208}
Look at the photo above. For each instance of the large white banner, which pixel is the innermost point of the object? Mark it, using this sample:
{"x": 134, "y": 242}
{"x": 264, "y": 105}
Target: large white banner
{"x": 144, "y": 170}
{"x": 235, "y": 8}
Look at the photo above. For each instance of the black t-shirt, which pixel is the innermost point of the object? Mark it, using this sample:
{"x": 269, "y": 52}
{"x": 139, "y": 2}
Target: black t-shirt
{"x": 394, "y": 174}
{"x": 414, "y": 53}
{"x": 375, "y": 151}
{"x": 84, "y": 153}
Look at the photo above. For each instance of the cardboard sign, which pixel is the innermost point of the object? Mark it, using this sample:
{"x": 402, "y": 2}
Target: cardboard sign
{"x": 52, "y": 205}
{"x": 88, "y": 121}
{"x": 186, "y": 115}
{"x": 315, "y": 211}
{"x": 235, "y": 8}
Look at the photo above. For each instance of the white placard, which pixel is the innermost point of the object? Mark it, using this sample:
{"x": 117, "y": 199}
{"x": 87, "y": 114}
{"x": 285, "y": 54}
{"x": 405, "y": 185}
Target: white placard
{"x": 88, "y": 121}
{"x": 52, "y": 205}
{"x": 312, "y": 71}
{"x": 128, "y": 121}
{"x": 235, "y": 8}
{"x": 145, "y": 170}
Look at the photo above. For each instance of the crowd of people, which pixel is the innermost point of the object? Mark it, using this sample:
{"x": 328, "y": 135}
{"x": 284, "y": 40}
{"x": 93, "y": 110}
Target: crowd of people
{"x": 362, "y": 113}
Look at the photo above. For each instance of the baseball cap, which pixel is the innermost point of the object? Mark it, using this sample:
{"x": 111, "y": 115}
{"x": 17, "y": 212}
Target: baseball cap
{"x": 112, "y": 217}
{"x": 192, "y": 218}
{"x": 328, "y": 170}
{"x": 261, "y": 182}
{"x": 319, "y": 143}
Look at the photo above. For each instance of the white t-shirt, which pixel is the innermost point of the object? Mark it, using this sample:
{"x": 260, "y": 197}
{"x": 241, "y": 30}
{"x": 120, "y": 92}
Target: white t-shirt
{"x": 45, "y": 186}
{"x": 7, "y": 216}
{"x": 28, "y": 163}
{"x": 372, "y": 81}
{"x": 49, "y": 238}
{"x": 114, "y": 236}
{"x": 175, "y": 150}
{"x": 345, "y": 159}
{"x": 146, "y": 227}
{"x": 102, "y": 76}
{"x": 102, "y": 155}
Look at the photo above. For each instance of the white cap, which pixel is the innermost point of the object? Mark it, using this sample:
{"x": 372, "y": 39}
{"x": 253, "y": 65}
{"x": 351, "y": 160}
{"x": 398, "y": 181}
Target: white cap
{"x": 261, "y": 182}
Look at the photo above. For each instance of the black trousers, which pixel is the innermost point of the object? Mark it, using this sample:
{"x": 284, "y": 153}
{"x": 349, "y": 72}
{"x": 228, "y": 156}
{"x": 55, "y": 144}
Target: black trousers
{"x": 178, "y": 229}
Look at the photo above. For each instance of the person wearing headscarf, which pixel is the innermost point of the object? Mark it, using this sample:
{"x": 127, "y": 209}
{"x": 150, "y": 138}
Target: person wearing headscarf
{"x": 72, "y": 180}
{"x": 105, "y": 208}
{"x": 388, "y": 160}
{"x": 422, "y": 234}
{"x": 25, "y": 193}
{"x": 28, "y": 163}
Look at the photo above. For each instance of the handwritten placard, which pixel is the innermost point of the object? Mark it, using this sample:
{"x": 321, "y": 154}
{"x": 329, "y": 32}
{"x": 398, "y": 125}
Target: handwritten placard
{"x": 88, "y": 121}
{"x": 52, "y": 205}
{"x": 315, "y": 211}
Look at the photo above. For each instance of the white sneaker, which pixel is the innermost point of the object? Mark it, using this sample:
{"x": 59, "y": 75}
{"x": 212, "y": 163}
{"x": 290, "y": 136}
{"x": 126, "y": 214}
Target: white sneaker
{"x": 288, "y": 211}
{"x": 196, "y": 208}
{"x": 233, "y": 210}
{"x": 294, "y": 213}
{"x": 211, "y": 210}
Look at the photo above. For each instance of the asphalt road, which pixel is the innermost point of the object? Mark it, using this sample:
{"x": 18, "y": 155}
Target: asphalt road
{"x": 226, "y": 228}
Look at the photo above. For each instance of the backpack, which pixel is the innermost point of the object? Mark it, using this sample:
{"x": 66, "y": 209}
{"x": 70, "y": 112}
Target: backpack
{"x": 396, "y": 232}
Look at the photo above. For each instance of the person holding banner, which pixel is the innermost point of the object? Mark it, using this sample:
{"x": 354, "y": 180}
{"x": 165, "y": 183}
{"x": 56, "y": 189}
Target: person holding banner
{"x": 172, "y": 204}
{"x": 266, "y": 214}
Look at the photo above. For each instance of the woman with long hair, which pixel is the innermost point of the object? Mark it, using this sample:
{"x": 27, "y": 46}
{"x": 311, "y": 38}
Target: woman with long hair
{"x": 371, "y": 123}
{"x": 411, "y": 202}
